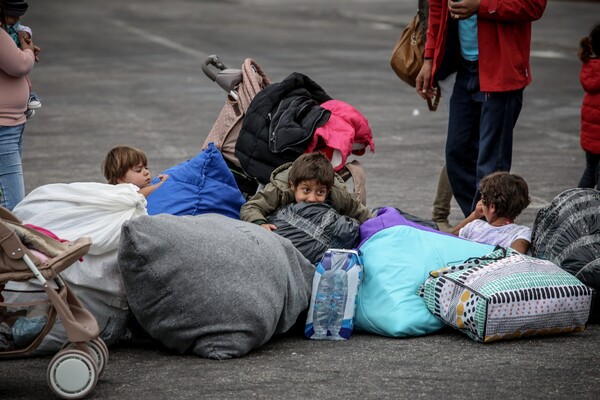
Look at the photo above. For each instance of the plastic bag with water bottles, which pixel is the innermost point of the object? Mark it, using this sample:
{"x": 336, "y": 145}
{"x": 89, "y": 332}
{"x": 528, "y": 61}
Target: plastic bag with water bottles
{"x": 334, "y": 292}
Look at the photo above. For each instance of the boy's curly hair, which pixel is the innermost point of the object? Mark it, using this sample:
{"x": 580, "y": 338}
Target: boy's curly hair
{"x": 121, "y": 159}
{"x": 589, "y": 46}
{"x": 311, "y": 166}
{"x": 508, "y": 192}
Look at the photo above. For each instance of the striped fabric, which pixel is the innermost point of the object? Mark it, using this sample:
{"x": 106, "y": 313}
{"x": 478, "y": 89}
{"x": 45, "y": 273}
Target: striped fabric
{"x": 507, "y": 295}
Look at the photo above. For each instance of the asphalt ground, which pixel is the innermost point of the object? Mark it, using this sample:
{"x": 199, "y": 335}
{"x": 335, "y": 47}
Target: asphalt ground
{"x": 115, "y": 72}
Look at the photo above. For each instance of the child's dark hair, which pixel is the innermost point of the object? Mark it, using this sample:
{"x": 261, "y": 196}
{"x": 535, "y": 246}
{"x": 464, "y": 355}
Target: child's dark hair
{"x": 312, "y": 166}
{"x": 3, "y": 16}
{"x": 119, "y": 160}
{"x": 589, "y": 46}
{"x": 508, "y": 192}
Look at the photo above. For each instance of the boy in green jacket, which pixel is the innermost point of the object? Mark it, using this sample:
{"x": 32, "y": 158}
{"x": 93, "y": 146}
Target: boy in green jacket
{"x": 309, "y": 179}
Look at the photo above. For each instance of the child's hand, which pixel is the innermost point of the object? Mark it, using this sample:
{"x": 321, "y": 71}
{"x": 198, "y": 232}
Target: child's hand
{"x": 36, "y": 52}
{"x": 163, "y": 177}
{"x": 478, "y": 209}
{"x": 26, "y": 42}
{"x": 26, "y": 36}
{"x": 269, "y": 227}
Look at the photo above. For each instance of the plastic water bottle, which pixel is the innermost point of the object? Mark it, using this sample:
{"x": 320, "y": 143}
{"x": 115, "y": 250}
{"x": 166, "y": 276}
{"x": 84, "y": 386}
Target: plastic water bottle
{"x": 330, "y": 302}
{"x": 330, "y": 314}
{"x": 321, "y": 308}
{"x": 338, "y": 303}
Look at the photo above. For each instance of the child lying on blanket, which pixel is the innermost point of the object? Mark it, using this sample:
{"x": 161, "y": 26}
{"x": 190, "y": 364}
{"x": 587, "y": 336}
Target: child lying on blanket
{"x": 309, "y": 179}
{"x": 503, "y": 197}
{"x": 125, "y": 164}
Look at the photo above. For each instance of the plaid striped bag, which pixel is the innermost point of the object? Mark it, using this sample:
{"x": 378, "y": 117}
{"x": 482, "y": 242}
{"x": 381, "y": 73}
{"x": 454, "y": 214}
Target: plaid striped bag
{"x": 506, "y": 295}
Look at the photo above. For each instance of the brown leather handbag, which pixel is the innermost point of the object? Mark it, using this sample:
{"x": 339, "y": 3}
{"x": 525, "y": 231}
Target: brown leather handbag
{"x": 407, "y": 57}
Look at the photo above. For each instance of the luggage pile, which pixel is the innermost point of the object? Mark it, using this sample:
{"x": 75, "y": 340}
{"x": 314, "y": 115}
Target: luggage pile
{"x": 264, "y": 125}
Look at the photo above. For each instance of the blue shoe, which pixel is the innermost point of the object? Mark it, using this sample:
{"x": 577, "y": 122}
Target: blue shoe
{"x": 34, "y": 101}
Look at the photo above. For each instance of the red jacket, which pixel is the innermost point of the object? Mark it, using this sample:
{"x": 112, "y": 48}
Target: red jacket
{"x": 346, "y": 132}
{"x": 590, "y": 109}
{"x": 504, "y": 38}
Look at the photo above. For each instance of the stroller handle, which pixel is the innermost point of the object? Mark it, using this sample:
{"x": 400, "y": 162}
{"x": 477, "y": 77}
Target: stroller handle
{"x": 227, "y": 78}
{"x": 214, "y": 61}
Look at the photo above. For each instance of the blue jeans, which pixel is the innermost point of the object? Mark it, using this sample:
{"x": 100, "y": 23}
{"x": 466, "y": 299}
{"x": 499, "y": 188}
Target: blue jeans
{"x": 11, "y": 169}
{"x": 480, "y": 134}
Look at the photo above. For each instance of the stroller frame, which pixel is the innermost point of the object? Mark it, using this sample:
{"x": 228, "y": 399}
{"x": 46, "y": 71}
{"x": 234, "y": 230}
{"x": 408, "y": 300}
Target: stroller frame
{"x": 74, "y": 371}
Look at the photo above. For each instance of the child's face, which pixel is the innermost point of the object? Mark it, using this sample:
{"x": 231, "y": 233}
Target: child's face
{"x": 489, "y": 212}
{"x": 10, "y": 20}
{"x": 309, "y": 192}
{"x": 139, "y": 175}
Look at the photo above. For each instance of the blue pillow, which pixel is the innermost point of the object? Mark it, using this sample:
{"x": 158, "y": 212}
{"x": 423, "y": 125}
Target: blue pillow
{"x": 397, "y": 261}
{"x": 201, "y": 185}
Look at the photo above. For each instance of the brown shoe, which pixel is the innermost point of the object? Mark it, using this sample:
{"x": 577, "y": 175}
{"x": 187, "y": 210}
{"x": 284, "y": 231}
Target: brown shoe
{"x": 444, "y": 226}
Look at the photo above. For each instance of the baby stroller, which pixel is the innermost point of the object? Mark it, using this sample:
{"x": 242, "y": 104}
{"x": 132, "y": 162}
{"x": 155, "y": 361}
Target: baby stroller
{"x": 26, "y": 253}
{"x": 242, "y": 85}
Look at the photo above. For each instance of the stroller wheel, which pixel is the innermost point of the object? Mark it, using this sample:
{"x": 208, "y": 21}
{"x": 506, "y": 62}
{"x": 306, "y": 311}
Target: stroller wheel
{"x": 100, "y": 351}
{"x": 97, "y": 349}
{"x": 72, "y": 374}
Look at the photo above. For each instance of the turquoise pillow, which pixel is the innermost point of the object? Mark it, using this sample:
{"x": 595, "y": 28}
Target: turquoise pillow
{"x": 397, "y": 261}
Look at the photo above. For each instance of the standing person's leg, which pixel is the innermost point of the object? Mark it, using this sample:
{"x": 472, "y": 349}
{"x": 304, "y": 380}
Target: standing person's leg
{"x": 463, "y": 136}
{"x": 597, "y": 175}
{"x": 443, "y": 198}
{"x": 589, "y": 177}
{"x": 11, "y": 169}
{"x": 443, "y": 195}
{"x": 499, "y": 114}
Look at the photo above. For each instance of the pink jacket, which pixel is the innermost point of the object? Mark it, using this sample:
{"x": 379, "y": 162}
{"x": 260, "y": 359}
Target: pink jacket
{"x": 15, "y": 65}
{"x": 346, "y": 132}
{"x": 504, "y": 37}
{"x": 590, "y": 109}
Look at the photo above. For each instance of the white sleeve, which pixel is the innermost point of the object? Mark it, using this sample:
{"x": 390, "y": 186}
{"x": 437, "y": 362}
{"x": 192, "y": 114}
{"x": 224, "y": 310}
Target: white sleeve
{"x": 523, "y": 233}
{"x": 23, "y": 28}
{"x": 466, "y": 230}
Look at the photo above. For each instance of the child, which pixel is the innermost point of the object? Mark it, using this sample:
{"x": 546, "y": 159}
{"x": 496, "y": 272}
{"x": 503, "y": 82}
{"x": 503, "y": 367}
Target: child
{"x": 15, "y": 9}
{"x": 125, "y": 164}
{"x": 309, "y": 179}
{"x": 503, "y": 197}
{"x": 589, "y": 51}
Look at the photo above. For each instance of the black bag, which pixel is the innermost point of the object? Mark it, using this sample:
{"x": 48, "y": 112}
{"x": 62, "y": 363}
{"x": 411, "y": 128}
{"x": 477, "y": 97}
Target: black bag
{"x": 314, "y": 228}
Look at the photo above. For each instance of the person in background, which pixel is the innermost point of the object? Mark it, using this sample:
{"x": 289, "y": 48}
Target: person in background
{"x": 503, "y": 197}
{"x": 126, "y": 164}
{"x": 589, "y": 54}
{"x": 15, "y": 9}
{"x": 488, "y": 44}
{"x": 15, "y": 64}
{"x": 309, "y": 179}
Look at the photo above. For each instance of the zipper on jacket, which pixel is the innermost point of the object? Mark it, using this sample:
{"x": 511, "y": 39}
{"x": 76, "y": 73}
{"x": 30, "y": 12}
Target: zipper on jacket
{"x": 273, "y": 133}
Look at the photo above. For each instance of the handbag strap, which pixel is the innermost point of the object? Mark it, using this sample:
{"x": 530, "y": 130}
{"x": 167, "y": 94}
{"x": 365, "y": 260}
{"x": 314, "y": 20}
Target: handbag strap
{"x": 432, "y": 104}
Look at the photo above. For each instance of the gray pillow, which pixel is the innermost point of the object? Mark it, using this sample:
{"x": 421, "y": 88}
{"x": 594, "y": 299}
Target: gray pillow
{"x": 211, "y": 285}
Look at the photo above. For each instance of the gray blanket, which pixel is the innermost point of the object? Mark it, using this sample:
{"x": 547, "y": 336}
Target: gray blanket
{"x": 212, "y": 285}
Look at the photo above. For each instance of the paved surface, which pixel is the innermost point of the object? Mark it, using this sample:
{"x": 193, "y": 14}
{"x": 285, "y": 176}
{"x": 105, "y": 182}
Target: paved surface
{"x": 116, "y": 72}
